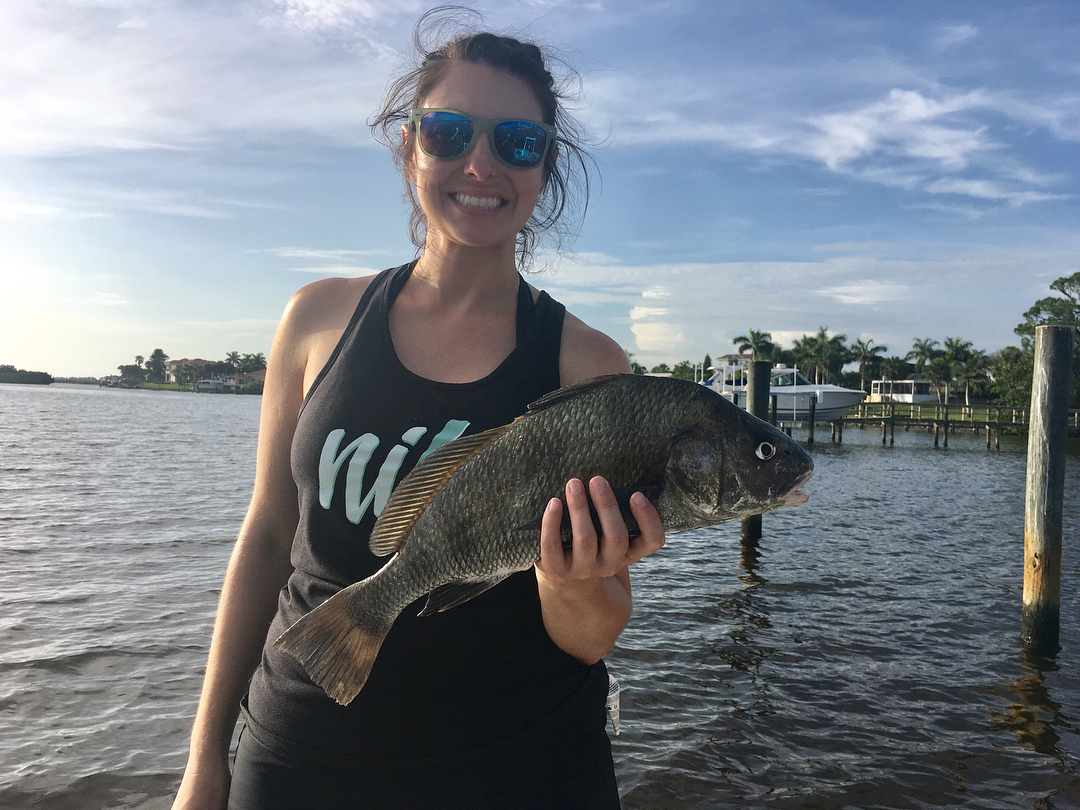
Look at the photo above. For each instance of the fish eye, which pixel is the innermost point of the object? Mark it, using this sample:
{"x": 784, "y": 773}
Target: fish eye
{"x": 765, "y": 451}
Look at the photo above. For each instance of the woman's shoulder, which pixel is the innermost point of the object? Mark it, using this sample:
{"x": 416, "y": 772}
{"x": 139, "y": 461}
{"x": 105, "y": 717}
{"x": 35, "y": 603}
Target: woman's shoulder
{"x": 318, "y": 305}
{"x": 586, "y": 352}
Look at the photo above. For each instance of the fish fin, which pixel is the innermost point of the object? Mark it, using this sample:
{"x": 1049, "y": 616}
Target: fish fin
{"x": 571, "y": 391}
{"x": 335, "y": 652}
{"x": 420, "y": 486}
{"x": 453, "y": 594}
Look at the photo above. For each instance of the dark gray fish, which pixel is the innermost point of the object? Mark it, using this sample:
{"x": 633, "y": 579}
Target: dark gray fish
{"x": 468, "y": 516}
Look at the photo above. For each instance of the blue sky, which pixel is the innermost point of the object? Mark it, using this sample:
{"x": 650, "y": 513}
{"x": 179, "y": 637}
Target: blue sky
{"x": 171, "y": 172}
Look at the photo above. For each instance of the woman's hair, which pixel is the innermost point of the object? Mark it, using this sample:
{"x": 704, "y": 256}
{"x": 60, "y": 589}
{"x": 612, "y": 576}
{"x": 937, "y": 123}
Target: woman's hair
{"x": 566, "y": 170}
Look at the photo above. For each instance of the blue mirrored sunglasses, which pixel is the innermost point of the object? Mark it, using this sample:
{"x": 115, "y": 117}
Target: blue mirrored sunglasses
{"x": 448, "y": 135}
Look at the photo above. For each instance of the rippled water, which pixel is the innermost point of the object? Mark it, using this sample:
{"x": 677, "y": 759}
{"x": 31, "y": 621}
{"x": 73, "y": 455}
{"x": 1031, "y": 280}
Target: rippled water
{"x": 867, "y": 655}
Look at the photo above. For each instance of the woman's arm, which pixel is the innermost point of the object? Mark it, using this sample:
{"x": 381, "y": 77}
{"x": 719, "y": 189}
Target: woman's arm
{"x": 258, "y": 568}
{"x": 585, "y": 591}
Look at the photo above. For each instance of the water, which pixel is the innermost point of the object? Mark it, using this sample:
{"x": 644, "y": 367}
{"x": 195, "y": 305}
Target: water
{"x": 866, "y": 656}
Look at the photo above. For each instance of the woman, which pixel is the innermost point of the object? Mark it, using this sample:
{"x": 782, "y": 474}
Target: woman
{"x": 498, "y": 702}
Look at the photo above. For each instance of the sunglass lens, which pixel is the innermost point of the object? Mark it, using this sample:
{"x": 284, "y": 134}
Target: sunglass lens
{"x": 520, "y": 143}
{"x": 445, "y": 135}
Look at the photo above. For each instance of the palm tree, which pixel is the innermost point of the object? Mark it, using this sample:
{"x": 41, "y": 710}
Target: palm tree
{"x": 939, "y": 373}
{"x": 922, "y": 352}
{"x": 759, "y": 343}
{"x": 893, "y": 367}
{"x": 972, "y": 370}
{"x": 865, "y": 353}
{"x": 957, "y": 350}
{"x": 233, "y": 359}
{"x": 822, "y": 354}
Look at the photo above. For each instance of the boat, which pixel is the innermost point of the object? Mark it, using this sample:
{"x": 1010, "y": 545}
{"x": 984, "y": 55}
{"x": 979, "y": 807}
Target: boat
{"x": 792, "y": 391}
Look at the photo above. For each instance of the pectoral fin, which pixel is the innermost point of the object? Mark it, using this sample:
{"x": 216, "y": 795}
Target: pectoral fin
{"x": 453, "y": 594}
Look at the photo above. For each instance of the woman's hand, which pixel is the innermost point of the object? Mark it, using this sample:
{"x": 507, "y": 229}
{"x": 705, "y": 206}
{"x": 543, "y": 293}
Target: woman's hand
{"x": 204, "y": 787}
{"x": 591, "y": 556}
{"x": 585, "y": 590}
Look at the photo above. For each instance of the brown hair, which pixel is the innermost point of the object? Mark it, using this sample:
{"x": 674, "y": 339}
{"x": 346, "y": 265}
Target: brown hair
{"x": 566, "y": 170}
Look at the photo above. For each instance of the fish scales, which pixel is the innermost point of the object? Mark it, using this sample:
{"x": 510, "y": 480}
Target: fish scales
{"x": 469, "y": 515}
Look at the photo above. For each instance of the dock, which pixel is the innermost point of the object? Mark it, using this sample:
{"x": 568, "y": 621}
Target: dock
{"x": 941, "y": 420}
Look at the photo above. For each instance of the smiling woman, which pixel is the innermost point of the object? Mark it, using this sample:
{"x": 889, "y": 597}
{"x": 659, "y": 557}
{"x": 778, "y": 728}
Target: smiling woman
{"x": 498, "y": 702}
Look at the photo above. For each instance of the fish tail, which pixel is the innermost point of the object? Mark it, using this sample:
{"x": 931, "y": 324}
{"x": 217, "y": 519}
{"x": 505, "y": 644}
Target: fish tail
{"x": 335, "y": 648}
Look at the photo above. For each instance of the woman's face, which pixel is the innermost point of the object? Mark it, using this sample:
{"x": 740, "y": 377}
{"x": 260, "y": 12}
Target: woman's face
{"x": 476, "y": 200}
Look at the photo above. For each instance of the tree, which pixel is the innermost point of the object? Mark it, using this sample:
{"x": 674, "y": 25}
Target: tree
{"x": 1060, "y": 312}
{"x": 1057, "y": 311}
{"x": 759, "y": 343}
{"x": 684, "y": 370}
{"x": 661, "y": 369}
{"x": 822, "y": 354}
{"x": 938, "y": 373}
{"x": 922, "y": 352}
{"x": 156, "y": 365}
{"x": 132, "y": 374}
{"x": 865, "y": 354}
{"x": 893, "y": 368}
{"x": 252, "y": 362}
{"x": 970, "y": 371}
{"x": 139, "y": 360}
{"x": 1010, "y": 373}
{"x": 957, "y": 350}
{"x": 233, "y": 359}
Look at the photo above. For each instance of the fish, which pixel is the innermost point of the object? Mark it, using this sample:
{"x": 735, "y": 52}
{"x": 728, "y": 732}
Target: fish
{"x": 469, "y": 515}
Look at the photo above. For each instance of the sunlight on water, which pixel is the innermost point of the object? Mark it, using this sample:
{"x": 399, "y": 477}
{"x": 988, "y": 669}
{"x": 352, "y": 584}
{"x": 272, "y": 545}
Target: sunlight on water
{"x": 866, "y": 654}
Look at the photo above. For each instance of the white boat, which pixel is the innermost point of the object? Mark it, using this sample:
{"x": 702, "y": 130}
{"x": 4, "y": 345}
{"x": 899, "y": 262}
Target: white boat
{"x": 792, "y": 391}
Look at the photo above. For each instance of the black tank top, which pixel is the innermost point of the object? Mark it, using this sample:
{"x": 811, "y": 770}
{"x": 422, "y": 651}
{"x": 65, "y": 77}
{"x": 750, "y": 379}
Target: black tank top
{"x": 459, "y": 681}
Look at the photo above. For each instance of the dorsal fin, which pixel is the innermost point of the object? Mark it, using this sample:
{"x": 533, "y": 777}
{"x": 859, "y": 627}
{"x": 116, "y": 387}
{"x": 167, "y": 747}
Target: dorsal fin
{"x": 420, "y": 486}
{"x": 572, "y": 391}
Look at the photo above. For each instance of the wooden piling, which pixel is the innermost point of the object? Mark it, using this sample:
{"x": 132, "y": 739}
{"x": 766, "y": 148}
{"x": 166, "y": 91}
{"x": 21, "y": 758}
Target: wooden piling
{"x": 757, "y": 404}
{"x": 813, "y": 412}
{"x": 1043, "y": 505}
{"x": 772, "y": 409}
{"x": 945, "y": 427}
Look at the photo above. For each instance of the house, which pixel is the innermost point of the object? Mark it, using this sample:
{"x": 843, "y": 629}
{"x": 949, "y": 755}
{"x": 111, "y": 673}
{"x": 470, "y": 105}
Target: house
{"x": 737, "y": 360}
{"x": 239, "y": 379}
{"x": 172, "y": 365}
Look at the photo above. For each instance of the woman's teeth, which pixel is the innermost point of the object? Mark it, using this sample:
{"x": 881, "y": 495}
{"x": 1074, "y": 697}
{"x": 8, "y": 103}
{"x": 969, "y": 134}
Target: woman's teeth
{"x": 478, "y": 202}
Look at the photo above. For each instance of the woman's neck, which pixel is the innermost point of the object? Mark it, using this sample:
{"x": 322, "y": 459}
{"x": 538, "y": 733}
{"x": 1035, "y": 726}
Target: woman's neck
{"x": 460, "y": 276}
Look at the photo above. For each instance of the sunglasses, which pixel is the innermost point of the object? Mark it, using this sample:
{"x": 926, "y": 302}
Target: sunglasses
{"x": 448, "y": 135}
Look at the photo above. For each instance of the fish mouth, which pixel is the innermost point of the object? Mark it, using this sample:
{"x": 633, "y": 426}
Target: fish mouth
{"x": 795, "y": 495}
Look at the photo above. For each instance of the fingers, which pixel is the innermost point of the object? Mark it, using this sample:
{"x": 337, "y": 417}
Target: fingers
{"x": 652, "y": 536}
{"x": 554, "y": 561}
{"x": 592, "y": 555}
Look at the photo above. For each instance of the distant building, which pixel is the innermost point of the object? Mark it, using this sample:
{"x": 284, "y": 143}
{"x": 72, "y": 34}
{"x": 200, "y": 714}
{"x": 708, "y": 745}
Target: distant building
{"x": 239, "y": 379}
{"x": 737, "y": 360}
{"x": 194, "y": 362}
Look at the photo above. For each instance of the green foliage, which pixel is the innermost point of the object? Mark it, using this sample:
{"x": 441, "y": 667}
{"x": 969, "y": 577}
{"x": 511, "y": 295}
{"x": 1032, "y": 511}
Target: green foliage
{"x": 922, "y": 352}
{"x": 938, "y": 373}
{"x": 1053, "y": 310}
{"x": 156, "y": 366}
{"x": 1011, "y": 371}
{"x": 894, "y": 368}
{"x": 10, "y": 374}
{"x": 253, "y": 387}
{"x": 759, "y": 344}
{"x": 865, "y": 353}
{"x": 822, "y": 356}
{"x": 661, "y": 369}
{"x": 637, "y": 368}
{"x": 684, "y": 370}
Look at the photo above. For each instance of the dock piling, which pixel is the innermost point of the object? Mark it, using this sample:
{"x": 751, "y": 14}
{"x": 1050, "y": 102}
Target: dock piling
{"x": 757, "y": 404}
{"x": 1043, "y": 505}
{"x": 812, "y": 414}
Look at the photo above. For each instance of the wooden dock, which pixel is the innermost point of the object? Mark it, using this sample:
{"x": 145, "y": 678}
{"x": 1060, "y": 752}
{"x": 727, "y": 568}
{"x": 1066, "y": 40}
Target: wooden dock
{"x": 941, "y": 420}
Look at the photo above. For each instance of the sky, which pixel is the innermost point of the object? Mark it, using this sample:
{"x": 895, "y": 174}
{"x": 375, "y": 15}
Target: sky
{"x": 171, "y": 172}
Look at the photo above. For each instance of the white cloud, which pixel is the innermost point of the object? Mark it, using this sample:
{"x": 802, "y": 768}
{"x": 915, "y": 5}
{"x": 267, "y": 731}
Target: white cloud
{"x": 867, "y": 292}
{"x": 950, "y": 35}
{"x": 108, "y": 299}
